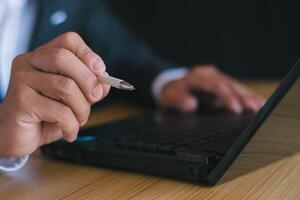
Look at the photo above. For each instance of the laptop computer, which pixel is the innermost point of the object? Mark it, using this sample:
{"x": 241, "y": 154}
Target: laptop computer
{"x": 198, "y": 147}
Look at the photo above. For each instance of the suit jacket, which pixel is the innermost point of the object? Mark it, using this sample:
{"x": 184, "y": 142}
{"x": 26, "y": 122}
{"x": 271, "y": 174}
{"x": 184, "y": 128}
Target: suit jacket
{"x": 124, "y": 55}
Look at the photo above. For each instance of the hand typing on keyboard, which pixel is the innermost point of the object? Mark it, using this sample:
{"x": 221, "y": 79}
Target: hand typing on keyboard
{"x": 230, "y": 93}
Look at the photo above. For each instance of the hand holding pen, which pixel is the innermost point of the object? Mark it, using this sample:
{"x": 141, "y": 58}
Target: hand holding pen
{"x": 50, "y": 94}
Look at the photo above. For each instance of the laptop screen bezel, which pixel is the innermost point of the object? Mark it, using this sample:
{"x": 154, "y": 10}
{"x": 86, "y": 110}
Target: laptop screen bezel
{"x": 254, "y": 125}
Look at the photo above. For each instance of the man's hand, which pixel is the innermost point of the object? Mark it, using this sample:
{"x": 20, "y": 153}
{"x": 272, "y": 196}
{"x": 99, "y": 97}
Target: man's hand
{"x": 49, "y": 95}
{"x": 207, "y": 78}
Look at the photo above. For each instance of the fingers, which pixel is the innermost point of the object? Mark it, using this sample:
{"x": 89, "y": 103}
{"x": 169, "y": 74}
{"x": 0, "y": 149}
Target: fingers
{"x": 230, "y": 92}
{"x": 50, "y": 133}
{"x": 69, "y": 55}
{"x": 61, "y": 61}
{"x": 228, "y": 97}
{"x": 60, "y": 115}
{"x": 250, "y": 100}
{"x": 210, "y": 81}
{"x": 73, "y": 42}
{"x": 62, "y": 89}
{"x": 178, "y": 97}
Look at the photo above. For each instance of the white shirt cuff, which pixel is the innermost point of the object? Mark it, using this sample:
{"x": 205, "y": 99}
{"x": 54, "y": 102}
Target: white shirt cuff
{"x": 162, "y": 79}
{"x": 10, "y": 164}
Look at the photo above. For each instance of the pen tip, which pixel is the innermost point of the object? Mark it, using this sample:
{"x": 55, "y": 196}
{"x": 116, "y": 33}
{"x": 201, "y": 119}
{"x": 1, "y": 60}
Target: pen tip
{"x": 126, "y": 86}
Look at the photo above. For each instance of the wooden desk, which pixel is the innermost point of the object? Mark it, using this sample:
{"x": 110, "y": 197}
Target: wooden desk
{"x": 254, "y": 175}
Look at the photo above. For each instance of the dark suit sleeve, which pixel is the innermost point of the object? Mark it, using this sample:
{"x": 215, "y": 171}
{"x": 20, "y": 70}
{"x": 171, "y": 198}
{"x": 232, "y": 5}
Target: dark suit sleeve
{"x": 124, "y": 55}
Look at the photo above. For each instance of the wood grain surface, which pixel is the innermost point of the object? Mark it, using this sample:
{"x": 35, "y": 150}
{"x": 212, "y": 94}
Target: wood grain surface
{"x": 269, "y": 167}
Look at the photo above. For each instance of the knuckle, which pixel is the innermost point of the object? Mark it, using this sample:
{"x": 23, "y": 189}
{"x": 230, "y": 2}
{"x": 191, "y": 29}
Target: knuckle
{"x": 92, "y": 57}
{"x": 69, "y": 38}
{"x": 67, "y": 86}
{"x": 63, "y": 112}
{"x": 207, "y": 69}
{"x": 37, "y": 53}
{"x": 16, "y": 61}
{"x": 58, "y": 55}
{"x": 87, "y": 52}
{"x": 210, "y": 69}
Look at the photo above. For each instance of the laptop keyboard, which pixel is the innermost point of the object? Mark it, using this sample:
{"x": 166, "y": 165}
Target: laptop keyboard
{"x": 167, "y": 136}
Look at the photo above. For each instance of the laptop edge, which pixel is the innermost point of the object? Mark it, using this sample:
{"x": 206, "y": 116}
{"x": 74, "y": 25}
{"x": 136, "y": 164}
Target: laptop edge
{"x": 253, "y": 126}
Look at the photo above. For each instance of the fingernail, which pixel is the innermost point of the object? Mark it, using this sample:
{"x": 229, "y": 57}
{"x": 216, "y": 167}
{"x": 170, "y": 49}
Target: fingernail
{"x": 190, "y": 105}
{"x": 73, "y": 139}
{"x": 254, "y": 106}
{"x": 83, "y": 123}
{"x": 96, "y": 92}
{"x": 237, "y": 107}
{"x": 262, "y": 103}
{"x": 98, "y": 66}
{"x": 69, "y": 139}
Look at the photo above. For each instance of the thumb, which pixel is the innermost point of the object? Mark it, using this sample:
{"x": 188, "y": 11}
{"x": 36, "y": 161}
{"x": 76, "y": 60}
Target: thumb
{"x": 179, "y": 98}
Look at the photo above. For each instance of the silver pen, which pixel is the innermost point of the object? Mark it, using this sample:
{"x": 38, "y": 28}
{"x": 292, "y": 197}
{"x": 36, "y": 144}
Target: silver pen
{"x": 115, "y": 82}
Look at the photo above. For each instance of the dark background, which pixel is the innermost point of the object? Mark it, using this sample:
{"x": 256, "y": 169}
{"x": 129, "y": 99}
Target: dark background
{"x": 257, "y": 38}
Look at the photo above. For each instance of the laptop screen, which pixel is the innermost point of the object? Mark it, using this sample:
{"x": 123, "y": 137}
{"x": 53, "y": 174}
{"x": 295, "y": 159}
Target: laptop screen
{"x": 276, "y": 130}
